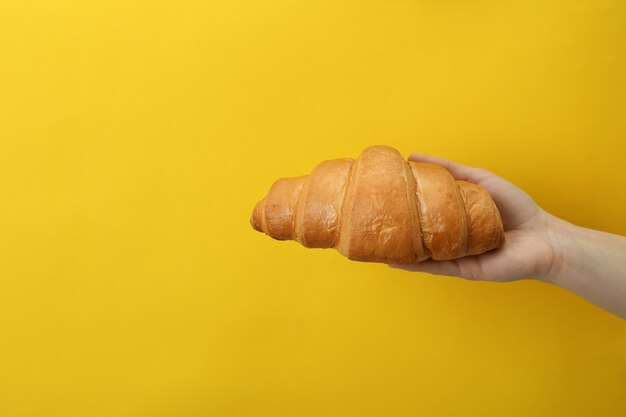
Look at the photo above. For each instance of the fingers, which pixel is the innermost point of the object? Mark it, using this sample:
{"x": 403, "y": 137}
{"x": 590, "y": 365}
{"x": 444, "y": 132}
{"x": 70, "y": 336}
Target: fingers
{"x": 458, "y": 171}
{"x": 514, "y": 204}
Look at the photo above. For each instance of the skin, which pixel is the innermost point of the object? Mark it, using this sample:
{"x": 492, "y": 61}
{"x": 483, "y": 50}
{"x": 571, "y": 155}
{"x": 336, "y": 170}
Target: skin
{"x": 538, "y": 245}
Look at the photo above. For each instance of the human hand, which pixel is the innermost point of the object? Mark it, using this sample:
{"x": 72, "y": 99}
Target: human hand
{"x": 528, "y": 250}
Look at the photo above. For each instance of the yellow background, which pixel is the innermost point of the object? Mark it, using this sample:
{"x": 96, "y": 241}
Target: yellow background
{"x": 136, "y": 136}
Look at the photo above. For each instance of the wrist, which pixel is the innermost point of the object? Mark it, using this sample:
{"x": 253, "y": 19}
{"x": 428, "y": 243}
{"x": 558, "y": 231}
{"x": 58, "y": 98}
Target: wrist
{"x": 565, "y": 239}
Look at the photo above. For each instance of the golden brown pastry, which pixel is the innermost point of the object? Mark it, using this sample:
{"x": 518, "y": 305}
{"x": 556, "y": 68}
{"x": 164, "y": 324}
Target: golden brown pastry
{"x": 381, "y": 208}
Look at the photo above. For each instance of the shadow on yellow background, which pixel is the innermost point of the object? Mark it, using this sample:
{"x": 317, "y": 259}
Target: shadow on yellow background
{"x": 136, "y": 137}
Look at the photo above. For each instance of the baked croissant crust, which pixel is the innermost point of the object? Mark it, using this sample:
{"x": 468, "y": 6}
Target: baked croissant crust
{"x": 382, "y": 208}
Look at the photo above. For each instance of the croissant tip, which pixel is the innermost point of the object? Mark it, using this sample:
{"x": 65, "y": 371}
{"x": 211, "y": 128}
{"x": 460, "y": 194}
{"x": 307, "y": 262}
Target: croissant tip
{"x": 255, "y": 218}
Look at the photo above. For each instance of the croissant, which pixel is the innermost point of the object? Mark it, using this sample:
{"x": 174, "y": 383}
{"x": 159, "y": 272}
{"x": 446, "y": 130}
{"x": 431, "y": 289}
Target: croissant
{"x": 381, "y": 208}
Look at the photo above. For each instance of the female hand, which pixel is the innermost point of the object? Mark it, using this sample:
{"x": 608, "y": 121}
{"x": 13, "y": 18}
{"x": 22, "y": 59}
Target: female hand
{"x": 527, "y": 250}
{"x": 538, "y": 245}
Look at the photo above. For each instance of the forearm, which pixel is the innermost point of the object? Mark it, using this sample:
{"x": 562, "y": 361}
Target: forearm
{"x": 591, "y": 264}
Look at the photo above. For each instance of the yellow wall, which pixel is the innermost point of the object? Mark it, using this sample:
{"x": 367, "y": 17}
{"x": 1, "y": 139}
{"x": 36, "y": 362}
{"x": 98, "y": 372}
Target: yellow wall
{"x": 136, "y": 136}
